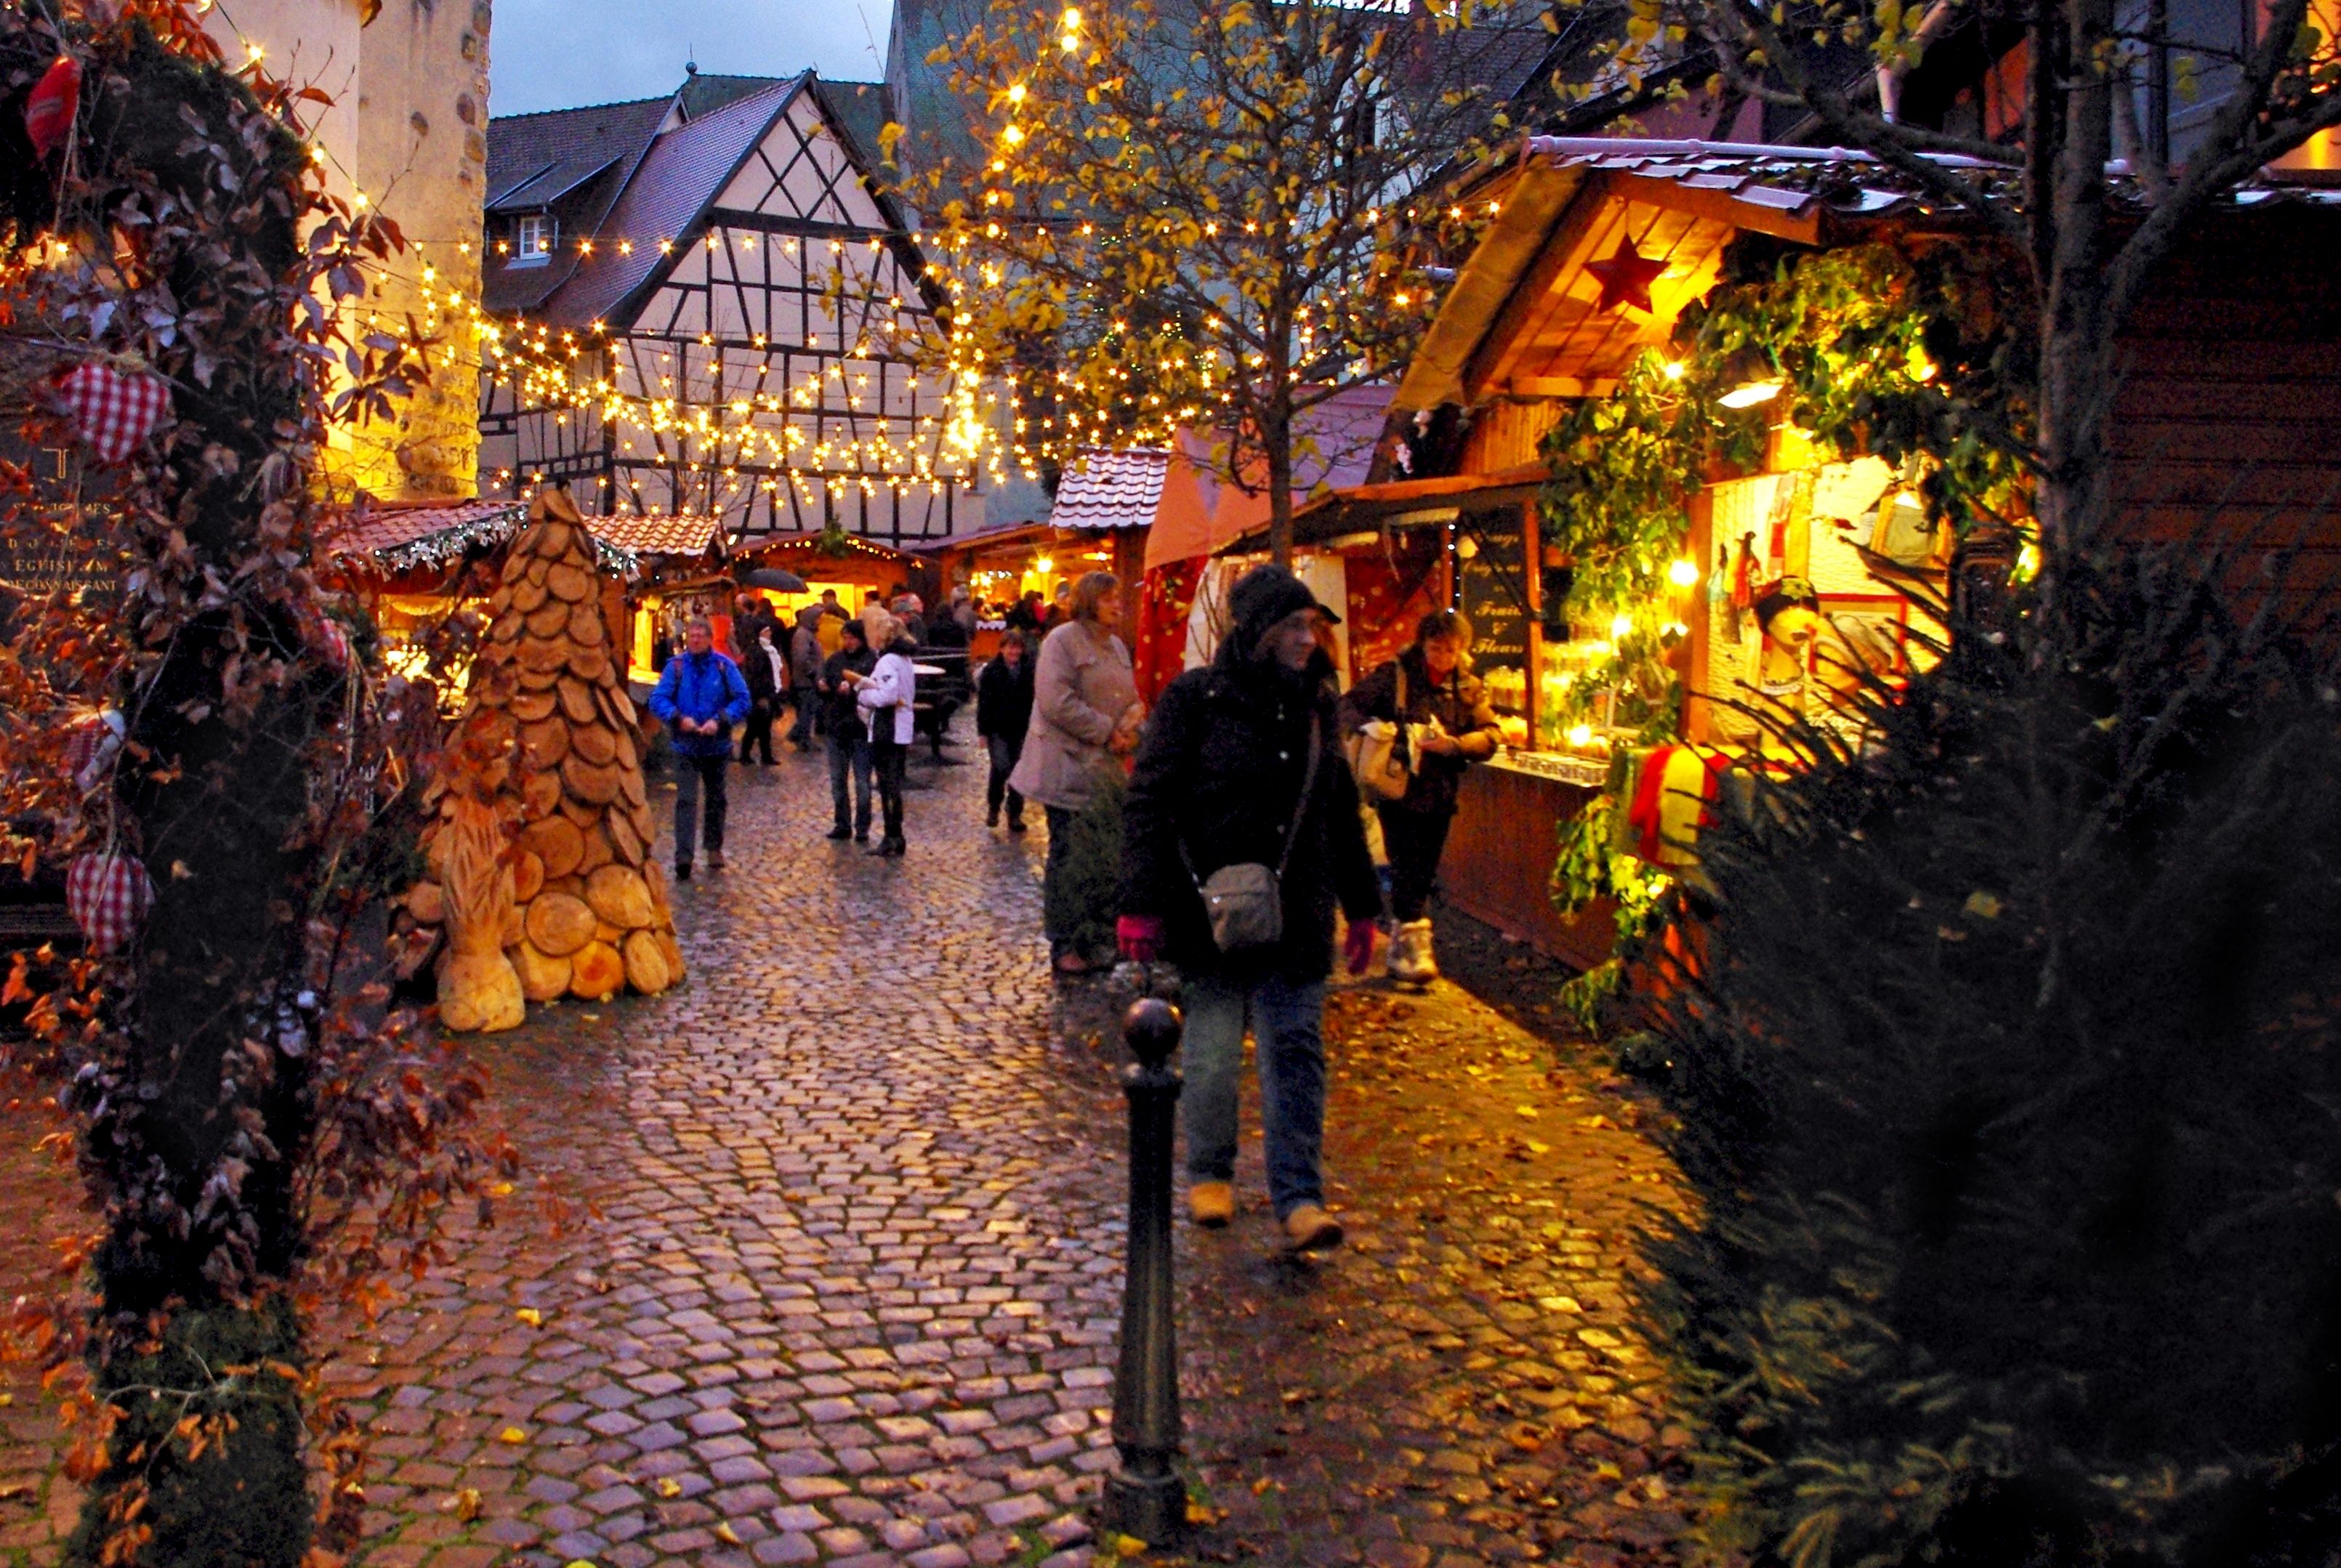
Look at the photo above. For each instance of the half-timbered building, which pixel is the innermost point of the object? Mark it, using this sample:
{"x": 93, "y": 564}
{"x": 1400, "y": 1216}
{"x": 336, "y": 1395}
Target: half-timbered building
{"x": 706, "y": 305}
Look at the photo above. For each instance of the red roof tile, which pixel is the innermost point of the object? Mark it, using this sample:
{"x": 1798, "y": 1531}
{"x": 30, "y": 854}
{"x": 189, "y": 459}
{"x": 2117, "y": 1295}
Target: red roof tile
{"x": 383, "y": 528}
{"x": 655, "y": 535}
{"x": 1112, "y": 488}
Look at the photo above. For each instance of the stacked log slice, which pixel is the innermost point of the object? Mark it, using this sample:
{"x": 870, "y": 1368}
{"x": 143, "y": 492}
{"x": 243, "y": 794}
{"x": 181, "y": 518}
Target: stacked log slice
{"x": 549, "y": 716}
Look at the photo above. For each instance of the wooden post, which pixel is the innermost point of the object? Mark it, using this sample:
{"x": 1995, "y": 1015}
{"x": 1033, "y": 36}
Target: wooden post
{"x": 1532, "y": 581}
{"x": 1699, "y": 722}
{"x": 1130, "y": 566}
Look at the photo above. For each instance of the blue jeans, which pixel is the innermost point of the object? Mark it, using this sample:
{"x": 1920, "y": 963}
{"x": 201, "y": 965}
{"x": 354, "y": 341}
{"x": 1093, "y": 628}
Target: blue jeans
{"x": 849, "y": 752}
{"x": 715, "y": 774}
{"x": 800, "y": 732}
{"x": 1289, "y": 1025}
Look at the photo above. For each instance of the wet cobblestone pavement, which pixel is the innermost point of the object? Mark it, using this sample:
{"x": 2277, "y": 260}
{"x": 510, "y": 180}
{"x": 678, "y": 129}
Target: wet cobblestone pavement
{"x": 845, "y": 1277}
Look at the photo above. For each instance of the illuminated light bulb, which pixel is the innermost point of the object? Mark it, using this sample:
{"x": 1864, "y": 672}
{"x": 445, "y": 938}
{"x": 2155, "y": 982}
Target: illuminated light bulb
{"x": 1622, "y": 626}
{"x": 1580, "y": 735}
{"x": 1013, "y": 135}
{"x": 1751, "y": 393}
{"x": 1673, "y": 369}
{"x": 1683, "y": 573}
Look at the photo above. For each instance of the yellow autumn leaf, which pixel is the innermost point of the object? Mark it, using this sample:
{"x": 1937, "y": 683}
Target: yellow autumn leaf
{"x": 511, "y": 1435}
{"x": 668, "y": 1486}
{"x": 531, "y": 1317}
{"x": 729, "y": 1536}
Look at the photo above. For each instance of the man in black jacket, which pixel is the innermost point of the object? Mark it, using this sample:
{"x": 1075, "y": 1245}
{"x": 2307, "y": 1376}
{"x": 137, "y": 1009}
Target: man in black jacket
{"x": 1220, "y": 781}
{"x": 1003, "y": 713}
{"x": 849, "y": 737}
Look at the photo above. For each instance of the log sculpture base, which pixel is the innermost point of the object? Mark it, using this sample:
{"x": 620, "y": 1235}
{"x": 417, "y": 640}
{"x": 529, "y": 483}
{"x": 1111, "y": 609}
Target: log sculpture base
{"x": 551, "y": 734}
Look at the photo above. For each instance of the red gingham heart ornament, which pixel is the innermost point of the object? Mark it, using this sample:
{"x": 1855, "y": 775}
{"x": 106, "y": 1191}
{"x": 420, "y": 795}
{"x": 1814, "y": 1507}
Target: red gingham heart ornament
{"x": 108, "y": 896}
{"x": 50, "y": 108}
{"x": 112, "y": 413}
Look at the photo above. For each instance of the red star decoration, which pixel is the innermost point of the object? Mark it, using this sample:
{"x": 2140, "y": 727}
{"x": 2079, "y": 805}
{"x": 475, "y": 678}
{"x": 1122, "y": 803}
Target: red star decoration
{"x": 1626, "y": 278}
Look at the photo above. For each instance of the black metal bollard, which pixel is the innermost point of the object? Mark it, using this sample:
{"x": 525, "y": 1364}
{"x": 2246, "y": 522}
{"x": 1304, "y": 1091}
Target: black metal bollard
{"x": 1146, "y": 1497}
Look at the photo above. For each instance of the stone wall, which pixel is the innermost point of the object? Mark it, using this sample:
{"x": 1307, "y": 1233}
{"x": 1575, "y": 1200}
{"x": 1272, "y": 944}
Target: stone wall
{"x": 405, "y": 133}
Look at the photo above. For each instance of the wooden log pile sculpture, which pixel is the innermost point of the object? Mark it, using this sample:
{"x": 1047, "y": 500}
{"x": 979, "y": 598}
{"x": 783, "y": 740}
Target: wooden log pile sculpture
{"x": 551, "y": 732}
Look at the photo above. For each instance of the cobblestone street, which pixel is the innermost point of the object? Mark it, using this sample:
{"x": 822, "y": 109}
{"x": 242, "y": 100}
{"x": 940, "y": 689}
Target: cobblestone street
{"x": 840, "y": 1278}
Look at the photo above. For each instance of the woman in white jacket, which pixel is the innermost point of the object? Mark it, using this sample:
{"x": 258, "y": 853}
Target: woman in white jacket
{"x": 885, "y": 696}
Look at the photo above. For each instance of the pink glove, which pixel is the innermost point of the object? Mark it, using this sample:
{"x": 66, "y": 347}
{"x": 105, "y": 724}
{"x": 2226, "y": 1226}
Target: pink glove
{"x": 1358, "y": 946}
{"x": 1140, "y": 937}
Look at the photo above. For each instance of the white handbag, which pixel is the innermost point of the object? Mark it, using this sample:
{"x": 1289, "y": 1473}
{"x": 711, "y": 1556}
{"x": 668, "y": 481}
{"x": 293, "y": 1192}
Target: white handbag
{"x": 1379, "y": 755}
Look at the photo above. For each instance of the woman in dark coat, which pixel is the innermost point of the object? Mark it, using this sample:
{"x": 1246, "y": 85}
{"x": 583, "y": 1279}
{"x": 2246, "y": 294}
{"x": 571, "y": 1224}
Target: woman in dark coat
{"x": 1003, "y": 713}
{"x": 1449, "y": 726}
{"x": 1219, "y": 780}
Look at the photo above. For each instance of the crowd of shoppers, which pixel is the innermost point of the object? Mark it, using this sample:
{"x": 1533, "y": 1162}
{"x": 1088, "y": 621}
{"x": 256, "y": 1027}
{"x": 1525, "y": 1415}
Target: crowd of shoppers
{"x": 1242, "y": 833}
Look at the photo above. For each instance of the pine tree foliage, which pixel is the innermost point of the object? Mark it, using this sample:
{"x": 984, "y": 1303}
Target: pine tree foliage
{"x": 1083, "y": 898}
{"x": 2003, "y": 1046}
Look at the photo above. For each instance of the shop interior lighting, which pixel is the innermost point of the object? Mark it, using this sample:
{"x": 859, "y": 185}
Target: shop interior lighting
{"x": 1750, "y": 394}
{"x": 1682, "y": 572}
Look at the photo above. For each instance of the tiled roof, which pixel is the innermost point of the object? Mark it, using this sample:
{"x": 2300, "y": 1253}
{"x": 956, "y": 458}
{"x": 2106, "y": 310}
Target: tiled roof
{"x": 535, "y": 159}
{"x": 385, "y": 527}
{"x": 655, "y": 535}
{"x": 678, "y": 176}
{"x": 523, "y": 147}
{"x": 703, "y": 94}
{"x": 864, "y": 109}
{"x": 1112, "y": 488}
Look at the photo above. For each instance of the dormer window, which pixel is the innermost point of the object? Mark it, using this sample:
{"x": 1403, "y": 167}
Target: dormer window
{"x": 532, "y": 240}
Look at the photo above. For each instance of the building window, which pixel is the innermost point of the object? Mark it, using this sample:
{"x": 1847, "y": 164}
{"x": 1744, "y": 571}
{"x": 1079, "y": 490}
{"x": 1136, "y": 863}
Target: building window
{"x": 533, "y": 241}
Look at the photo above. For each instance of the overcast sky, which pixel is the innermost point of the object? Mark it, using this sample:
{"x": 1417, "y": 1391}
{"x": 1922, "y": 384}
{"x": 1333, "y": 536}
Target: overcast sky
{"x": 559, "y": 54}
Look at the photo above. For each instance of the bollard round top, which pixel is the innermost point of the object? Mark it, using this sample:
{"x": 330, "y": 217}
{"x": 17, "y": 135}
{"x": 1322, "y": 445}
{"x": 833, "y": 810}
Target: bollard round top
{"x": 1151, "y": 1028}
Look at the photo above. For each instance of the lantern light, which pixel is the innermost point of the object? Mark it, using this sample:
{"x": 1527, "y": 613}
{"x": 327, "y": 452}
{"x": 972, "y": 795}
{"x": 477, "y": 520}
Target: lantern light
{"x": 1750, "y": 394}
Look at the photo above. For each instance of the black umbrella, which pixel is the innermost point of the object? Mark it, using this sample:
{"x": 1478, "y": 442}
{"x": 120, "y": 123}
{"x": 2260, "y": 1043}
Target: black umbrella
{"x": 773, "y": 578}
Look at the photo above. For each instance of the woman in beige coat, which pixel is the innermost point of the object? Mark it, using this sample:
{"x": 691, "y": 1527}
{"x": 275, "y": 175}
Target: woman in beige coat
{"x": 1085, "y": 719}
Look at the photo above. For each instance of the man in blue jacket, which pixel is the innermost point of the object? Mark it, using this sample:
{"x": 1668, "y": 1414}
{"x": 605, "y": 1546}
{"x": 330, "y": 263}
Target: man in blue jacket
{"x": 699, "y": 696}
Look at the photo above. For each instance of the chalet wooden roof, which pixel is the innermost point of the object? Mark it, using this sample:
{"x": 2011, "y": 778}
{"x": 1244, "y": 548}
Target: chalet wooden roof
{"x": 1520, "y": 319}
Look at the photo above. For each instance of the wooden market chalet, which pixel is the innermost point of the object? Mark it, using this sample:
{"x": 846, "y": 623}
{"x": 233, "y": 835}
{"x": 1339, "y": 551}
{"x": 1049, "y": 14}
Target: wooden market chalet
{"x": 708, "y": 306}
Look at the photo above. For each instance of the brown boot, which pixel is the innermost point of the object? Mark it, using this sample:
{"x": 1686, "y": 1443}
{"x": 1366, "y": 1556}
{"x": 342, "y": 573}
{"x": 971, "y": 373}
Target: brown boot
{"x": 1211, "y": 1203}
{"x": 1311, "y": 1229}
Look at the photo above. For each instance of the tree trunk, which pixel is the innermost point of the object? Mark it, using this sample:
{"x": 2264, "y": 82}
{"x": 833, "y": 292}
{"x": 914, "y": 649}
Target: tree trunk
{"x": 1276, "y": 447}
{"x": 2076, "y": 358}
{"x": 199, "y": 1108}
{"x": 1280, "y": 494}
